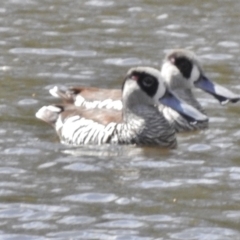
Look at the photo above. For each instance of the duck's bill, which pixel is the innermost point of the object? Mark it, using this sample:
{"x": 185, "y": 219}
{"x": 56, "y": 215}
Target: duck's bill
{"x": 190, "y": 113}
{"x": 222, "y": 94}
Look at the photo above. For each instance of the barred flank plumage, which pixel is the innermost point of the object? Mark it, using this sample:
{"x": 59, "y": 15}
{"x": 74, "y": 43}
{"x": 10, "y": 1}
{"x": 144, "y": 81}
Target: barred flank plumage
{"x": 76, "y": 130}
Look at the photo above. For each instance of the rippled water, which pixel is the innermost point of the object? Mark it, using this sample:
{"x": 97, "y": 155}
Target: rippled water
{"x": 50, "y": 191}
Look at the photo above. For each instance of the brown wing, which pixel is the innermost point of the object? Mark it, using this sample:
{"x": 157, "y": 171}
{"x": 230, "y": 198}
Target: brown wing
{"x": 102, "y": 116}
{"x": 96, "y": 94}
{"x": 90, "y": 94}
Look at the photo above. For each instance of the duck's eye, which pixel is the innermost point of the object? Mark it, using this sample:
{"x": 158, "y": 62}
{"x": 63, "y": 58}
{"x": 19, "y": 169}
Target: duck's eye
{"x": 148, "y": 81}
{"x": 183, "y": 64}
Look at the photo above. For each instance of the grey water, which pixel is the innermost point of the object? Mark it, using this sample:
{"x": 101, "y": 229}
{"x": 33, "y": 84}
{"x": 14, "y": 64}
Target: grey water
{"x": 52, "y": 191}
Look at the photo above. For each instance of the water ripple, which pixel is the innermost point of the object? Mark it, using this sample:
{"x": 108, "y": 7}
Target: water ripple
{"x": 35, "y": 225}
{"x": 162, "y": 16}
{"x": 200, "y": 233}
{"x": 114, "y": 21}
{"x": 233, "y": 215}
{"x": 14, "y": 213}
{"x": 123, "y": 62}
{"x": 121, "y": 224}
{"x": 157, "y": 184}
{"x": 21, "y": 151}
{"x": 53, "y": 52}
{"x": 199, "y": 148}
{"x": 11, "y": 170}
{"x": 99, "y": 3}
{"x": 87, "y": 234}
{"x": 27, "y": 101}
{"x": 91, "y": 198}
{"x": 20, "y": 236}
{"x": 82, "y": 167}
{"x": 46, "y": 208}
{"x": 172, "y": 34}
{"x": 135, "y": 9}
{"x": 217, "y": 56}
{"x": 47, "y": 165}
{"x": 76, "y": 220}
{"x": 228, "y": 44}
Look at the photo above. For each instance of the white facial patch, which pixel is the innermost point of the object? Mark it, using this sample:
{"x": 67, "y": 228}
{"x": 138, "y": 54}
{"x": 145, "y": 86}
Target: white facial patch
{"x": 168, "y": 71}
{"x": 129, "y": 87}
{"x": 195, "y": 74}
{"x": 161, "y": 89}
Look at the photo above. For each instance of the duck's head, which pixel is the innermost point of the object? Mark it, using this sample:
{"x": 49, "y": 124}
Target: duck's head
{"x": 146, "y": 86}
{"x": 181, "y": 69}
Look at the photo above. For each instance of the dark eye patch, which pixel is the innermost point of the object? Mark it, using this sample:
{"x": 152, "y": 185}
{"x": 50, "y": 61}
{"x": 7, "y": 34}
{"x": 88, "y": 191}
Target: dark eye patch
{"x": 148, "y": 83}
{"x": 184, "y": 65}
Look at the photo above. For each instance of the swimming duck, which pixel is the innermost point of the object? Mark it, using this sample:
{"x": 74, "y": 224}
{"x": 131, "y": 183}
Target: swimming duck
{"x": 181, "y": 71}
{"x": 139, "y": 122}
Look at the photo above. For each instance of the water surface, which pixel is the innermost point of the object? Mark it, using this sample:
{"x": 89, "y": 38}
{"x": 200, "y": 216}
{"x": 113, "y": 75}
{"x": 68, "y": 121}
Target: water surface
{"x": 51, "y": 191}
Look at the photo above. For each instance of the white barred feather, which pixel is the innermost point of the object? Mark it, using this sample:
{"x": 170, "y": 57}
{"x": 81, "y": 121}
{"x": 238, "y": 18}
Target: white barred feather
{"x": 107, "y": 103}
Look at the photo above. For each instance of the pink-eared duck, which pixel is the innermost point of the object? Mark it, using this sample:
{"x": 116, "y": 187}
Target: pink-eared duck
{"x": 138, "y": 122}
{"x": 181, "y": 72}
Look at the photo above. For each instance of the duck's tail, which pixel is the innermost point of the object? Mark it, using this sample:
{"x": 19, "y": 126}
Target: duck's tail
{"x": 49, "y": 114}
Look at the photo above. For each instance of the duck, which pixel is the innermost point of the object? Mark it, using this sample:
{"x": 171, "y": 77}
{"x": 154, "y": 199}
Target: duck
{"x": 139, "y": 122}
{"x": 181, "y": 71}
